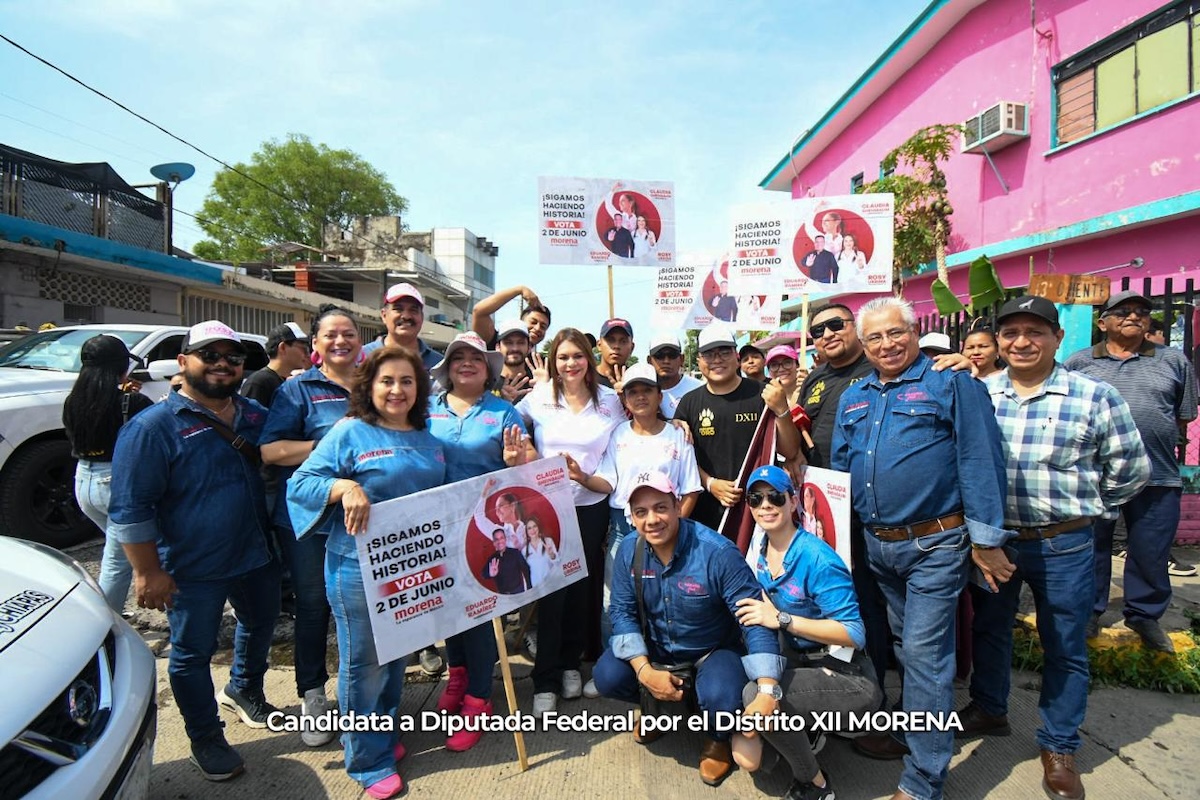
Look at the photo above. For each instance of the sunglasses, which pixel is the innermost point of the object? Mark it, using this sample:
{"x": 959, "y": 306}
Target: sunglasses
{"x": 1127, "y": 311}
{"x": 668, "y": 355}
{"x": 755, "y": 499}
{"x": 215, "y": 356}
{"x": 836, "y": 324}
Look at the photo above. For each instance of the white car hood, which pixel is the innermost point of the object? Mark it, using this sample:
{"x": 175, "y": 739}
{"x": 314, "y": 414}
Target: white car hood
{"x": 15, "y": 381}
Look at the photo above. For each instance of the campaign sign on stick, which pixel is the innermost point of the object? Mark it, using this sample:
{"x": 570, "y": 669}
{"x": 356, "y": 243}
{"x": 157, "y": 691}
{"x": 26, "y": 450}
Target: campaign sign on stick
{"x": 824, "y": 509}
{"x": 606, "y": 221}
{"x": 442, "y": 561}
{"x": 695, "y": 292}
{"x": 827, "y": 245}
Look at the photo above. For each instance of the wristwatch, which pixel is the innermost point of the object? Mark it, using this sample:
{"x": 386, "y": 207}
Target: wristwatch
{"x": 784, "y": 619}
{"x": 774, "y": 689}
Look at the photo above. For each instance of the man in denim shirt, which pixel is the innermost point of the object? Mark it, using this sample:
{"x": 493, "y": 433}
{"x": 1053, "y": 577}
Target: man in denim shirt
{"x": 191, "y": 513}
{"x": 927, "y": 478}
{"x": 692, "y": 579}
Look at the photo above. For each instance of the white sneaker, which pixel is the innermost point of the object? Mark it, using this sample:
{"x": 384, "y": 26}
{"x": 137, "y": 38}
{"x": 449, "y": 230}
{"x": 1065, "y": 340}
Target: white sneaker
{"x": 590, "y": 691}
{"x": 572, "y": 684}
{"x": 531, "y": 643}
{"x": 314, "y": 705}
{"x": 543, "y": 702}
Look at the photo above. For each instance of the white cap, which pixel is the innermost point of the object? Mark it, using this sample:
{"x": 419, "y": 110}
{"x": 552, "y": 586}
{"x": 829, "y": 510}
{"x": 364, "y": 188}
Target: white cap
{"x": 512, "y": 326}
{"x": 939, "y": 342}
{"x": 640, "y": 372}
{"x": 663, "y": 340}
{"x": 495, "y": 361}
{"x": 717, "y": 335}
{"x": 208, "y": 332}
{"x": 401, "y": 290}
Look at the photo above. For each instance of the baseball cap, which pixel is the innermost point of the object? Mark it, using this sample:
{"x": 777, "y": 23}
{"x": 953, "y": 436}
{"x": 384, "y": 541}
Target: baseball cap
{"x": 402, "y": 290}
{"x": 287, "y": 332}
{"x": 208, "y": 332}
{"x": 495, "y": 361}
{"x": 1124, "y": 297}
{"x": 665, "y": 341}
{"x": 641, "y": 372}
{"x": 107, "y": 350}
{"x": 655, "y": 480}
{"x": 777, "y": 478}
{"x": 615, "y": 324}
{"x": 937, "y": 342}
{"x": 1028, "y": 304}
{"x": 748, "y": 348}
{"x": 782, "y": 351}
{"x": 716, "y": 335}
{"x": 511, "y": 326}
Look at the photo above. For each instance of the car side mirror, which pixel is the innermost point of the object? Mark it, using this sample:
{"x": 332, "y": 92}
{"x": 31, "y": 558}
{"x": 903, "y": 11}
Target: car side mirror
{"x": 163, "y": 369}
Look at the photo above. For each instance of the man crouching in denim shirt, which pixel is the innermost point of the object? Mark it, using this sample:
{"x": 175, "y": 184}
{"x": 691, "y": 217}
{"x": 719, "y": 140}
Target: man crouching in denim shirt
{"x": 692, "y": 580}
{"x": 927, "y": 477}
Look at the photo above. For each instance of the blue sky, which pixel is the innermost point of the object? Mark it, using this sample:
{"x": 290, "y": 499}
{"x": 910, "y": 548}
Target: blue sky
{"x": 462, "y": 105}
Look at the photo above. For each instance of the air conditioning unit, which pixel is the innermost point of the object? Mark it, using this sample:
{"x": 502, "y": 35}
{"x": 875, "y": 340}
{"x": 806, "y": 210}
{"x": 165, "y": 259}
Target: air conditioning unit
{"x": 996, "y": 128}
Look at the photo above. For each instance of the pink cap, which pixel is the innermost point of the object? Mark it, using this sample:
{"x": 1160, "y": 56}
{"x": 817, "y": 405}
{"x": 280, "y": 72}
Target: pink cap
{"x": 782, "y": 351}
{"x": 401, "y": 290}
{"x": 655, "y": 480}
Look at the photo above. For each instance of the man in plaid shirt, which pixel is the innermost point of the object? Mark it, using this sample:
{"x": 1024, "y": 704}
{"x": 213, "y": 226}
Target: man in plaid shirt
{"x": 1074, "y": 455}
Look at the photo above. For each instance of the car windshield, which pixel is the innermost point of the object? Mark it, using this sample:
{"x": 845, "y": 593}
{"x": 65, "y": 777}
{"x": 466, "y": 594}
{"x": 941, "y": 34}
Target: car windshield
{"x": 57, "y": 350}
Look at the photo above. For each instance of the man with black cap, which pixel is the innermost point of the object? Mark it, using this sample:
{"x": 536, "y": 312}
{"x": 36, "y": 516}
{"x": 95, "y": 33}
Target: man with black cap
{"x": 753, "y": 362}
{"x": 616, "y": 346}
{"x": 666, "y": 356}
{"x": 288, "y": 350}
{"x": 516, "y": 378}
{"x": 403, "y": 314}
{"x": 1073, "y": 457}
{"x": 188, "y": 506}
{"x": 1159, "y": 385}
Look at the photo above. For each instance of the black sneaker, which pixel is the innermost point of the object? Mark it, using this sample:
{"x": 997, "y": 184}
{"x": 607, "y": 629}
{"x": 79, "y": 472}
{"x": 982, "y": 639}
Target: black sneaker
{"x": 803, "y": 790}
{"x": 1152, "y": 634}
{"x": 215, "y": 759}
{"x": 251, "y": 706}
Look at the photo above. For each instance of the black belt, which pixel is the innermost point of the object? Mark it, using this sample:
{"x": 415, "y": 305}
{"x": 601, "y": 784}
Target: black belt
{"x": 1053, "y": 529}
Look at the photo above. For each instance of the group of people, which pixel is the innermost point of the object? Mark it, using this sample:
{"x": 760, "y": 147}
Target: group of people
{"x": 836, "y": 256}
{"x": 629, "y": 236}
{"x": 1013, "y": 478}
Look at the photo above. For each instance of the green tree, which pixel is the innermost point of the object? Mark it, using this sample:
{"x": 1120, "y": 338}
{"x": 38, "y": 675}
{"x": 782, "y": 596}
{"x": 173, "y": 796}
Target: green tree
{"x": 317, "y": 184}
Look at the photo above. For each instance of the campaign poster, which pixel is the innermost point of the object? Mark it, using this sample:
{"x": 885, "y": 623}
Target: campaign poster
{"x": 695, "y": 291}
{"x": 823, "y": 510}
{"x": 827, "y": 245}
{"x": 606, "y": 221}
{"x": 442, "y": 561}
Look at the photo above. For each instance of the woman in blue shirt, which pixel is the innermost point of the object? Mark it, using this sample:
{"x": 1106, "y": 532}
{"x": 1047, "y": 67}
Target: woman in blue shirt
{"x": 303, "y": 411}
{"x": 481, "y": 433}
{"x": 809, "y": 598}
{"x": 389, "y": 407}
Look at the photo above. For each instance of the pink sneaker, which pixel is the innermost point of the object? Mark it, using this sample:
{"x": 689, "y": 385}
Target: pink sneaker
{"x": 399, "y": 751}
{"x": 464, "y": 740}
{"x": 391, "y": 786}
{"x": 456, "y": 689}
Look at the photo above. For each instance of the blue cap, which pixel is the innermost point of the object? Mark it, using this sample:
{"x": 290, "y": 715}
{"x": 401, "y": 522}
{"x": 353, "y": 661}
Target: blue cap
{"x": 776, "y": 477}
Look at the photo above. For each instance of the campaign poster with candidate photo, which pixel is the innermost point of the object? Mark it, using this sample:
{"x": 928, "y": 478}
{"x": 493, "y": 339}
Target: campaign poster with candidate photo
{"x": 442, "y": 561}
{"x": 606, "y": 221}
{"x": 694, "y": 292}
{"x": 826, "y": 245}
{"x": 823, "y": 509}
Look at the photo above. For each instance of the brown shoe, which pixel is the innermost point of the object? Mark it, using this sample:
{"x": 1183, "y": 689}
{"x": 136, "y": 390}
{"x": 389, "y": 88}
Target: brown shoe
{"x": 1061, "y": 781}
{"x": 882, "y": 746}
{"x": 977, "y": 722}
{"x": 647, "y": 737}
{"x": 716, "y": 762}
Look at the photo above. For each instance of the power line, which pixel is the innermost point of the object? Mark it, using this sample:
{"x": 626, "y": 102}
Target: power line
{"x": 82, "y": 125}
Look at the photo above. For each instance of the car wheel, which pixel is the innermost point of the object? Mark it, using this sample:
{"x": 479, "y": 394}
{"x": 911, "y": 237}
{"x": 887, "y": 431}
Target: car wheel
{"x": 37, "y": 496}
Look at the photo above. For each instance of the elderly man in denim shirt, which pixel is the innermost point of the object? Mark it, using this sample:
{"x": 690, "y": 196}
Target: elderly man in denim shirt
{"x": 191, "y": 513}
{"x": 692, "y": 579}
{"x": 927, "y": 477}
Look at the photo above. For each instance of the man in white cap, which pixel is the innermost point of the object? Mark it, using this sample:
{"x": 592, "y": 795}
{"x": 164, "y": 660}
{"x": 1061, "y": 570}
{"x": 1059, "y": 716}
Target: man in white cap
{"x": 516, "y": 378}
{"x": 666, "y": 356}
{"x": 404, "y": 313}
{"x": 723, "y": 415}
{"x": 188, "y": 507}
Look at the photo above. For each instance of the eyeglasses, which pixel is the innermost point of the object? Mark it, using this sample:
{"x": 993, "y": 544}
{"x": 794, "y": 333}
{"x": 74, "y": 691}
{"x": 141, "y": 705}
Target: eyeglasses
{"x": 837, "y": 324}
{"x": 717, "y": 354}
{"x": 215, "y": 356}
{"x": 894, "y": 335}
{"x": 755, "y": 499}
{"x": 1127, "y": 311}
{"x": 667, "y": 355}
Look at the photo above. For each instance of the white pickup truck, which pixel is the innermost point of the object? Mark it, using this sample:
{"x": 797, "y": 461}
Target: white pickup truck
{"x": 37, "y": 473}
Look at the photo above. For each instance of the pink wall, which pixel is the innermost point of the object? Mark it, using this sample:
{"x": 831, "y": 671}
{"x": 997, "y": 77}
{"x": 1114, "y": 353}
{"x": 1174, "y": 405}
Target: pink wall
{"x": 995, "y": 54}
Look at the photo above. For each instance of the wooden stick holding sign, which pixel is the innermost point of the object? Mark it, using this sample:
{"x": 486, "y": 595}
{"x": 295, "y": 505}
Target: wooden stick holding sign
{"x": 510, "y": 693}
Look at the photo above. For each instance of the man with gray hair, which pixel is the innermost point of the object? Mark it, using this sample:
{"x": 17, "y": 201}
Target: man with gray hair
{"x": 922, "y": 533}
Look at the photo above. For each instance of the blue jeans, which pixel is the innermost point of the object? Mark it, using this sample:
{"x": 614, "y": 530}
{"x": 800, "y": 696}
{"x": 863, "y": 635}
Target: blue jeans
{"x": 873, "y": 608}
{"x": 1152, "y": 518}
{"x": 306, "y": 562}
{"x": 618, "y": 528}
{"x": 364, "y": 685}
{"x": 1059, "y": 573}
{"x": 921, "y": 580}
{"x": 93, "y": 490}
{"x": 195, "y": 620}
{"x": 719, "y": 682}
{"x": 476, "y": 650}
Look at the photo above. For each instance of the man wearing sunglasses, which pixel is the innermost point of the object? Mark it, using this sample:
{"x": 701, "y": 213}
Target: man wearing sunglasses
{"x": 1159, "y": 385}
{"x": 188, "y": 506}
{"x": 666, "y": 355}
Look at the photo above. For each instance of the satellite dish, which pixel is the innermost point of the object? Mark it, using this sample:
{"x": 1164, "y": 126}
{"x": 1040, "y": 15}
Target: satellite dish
{"x": 175, "y": 172}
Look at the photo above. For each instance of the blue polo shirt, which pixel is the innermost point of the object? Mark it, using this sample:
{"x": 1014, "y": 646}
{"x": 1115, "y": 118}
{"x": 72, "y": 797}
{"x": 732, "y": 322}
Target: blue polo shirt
{"x": 429, "y": 357}
{"x": 304, "y": 409}
{"x": 920, "y": 447}
{"x": 474, "y": 443}
{"x": 178, "y": 482}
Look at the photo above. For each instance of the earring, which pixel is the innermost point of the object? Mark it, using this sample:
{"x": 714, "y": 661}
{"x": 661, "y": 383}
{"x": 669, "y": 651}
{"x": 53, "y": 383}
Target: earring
{"x": 315, "y": 358}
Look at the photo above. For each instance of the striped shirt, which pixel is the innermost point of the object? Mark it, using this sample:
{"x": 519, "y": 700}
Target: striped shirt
{"x": 1072, "y": 449}
{"x": 1159, "y": 385}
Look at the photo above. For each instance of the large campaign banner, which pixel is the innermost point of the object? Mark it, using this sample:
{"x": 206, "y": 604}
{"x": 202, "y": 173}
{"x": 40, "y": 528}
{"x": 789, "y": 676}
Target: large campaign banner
{"x": 824, "y": 510}
{"x": 816, "y": 245}
{"x": 442, "y": 561}
{"x": 605, "y": 221}
{"x": 695, "y": 291}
